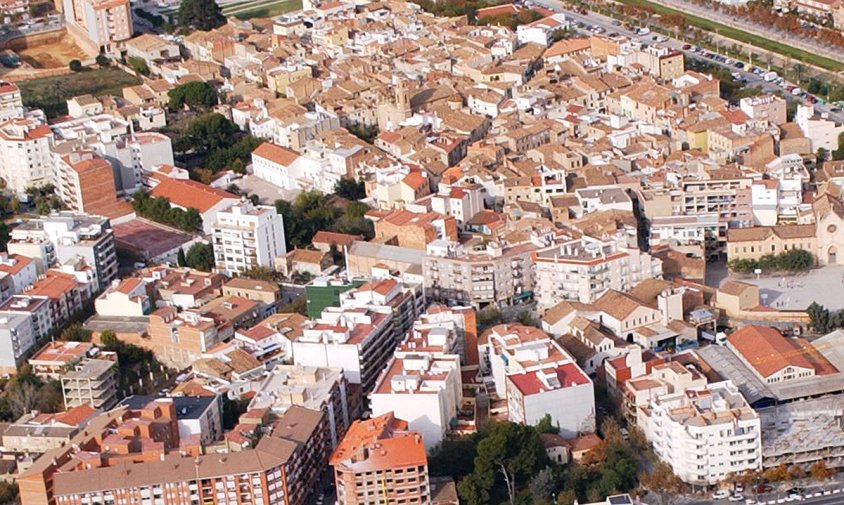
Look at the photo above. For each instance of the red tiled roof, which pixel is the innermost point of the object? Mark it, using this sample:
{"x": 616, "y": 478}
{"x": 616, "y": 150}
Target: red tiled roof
{"x": 276, "y": 154}
{"x": 190, "y": 194}
{"x": 529, "y": 384}
{"x": 768, "y": 351}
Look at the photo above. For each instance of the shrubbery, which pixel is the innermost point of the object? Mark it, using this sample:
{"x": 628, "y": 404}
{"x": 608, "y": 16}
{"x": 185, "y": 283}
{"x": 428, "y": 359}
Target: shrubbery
{"x": 791, "y": 261}
{"x": 158, "y": 209}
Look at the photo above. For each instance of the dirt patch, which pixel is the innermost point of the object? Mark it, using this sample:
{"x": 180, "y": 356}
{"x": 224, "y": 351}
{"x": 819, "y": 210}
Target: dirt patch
{"x": 50, "y": 52}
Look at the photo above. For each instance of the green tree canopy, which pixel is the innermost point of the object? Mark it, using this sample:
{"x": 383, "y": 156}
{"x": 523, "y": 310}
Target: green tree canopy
{"x": 209, "y": 132}
{"x": 201, "y": 14}
{"x": 350, "y": 189}
{"x": 197, "y": 95}
{"x": 200, "y": 256}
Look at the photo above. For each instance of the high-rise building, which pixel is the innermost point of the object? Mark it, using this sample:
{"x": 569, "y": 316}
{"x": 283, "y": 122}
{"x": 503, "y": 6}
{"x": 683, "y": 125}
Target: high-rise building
{"x": 86, "y": 184}
{"x": 25, "y": 158}
{"x": 99, "y": 25}
{"x": 247, "y": 236}
{"x": 379, "y": 461}
{"x": 64, "y": 236}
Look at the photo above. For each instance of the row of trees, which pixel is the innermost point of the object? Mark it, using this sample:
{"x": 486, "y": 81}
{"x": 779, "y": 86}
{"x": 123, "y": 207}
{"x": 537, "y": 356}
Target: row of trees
{"x": 793, "y": 260}
{"x": 158, "y": 209}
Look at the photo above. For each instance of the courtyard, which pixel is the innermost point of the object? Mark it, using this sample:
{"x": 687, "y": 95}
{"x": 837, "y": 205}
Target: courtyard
{"x": 797, "y": 291}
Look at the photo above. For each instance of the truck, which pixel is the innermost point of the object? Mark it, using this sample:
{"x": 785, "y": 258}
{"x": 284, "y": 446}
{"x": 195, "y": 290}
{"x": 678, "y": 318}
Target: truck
{"x": 719, "y": 338}
{"x": 770, "y": 76}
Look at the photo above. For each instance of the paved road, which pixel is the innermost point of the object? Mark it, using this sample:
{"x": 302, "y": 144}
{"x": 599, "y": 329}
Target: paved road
{"x": 599, "y": 20}
{"x": 804, "y": 43}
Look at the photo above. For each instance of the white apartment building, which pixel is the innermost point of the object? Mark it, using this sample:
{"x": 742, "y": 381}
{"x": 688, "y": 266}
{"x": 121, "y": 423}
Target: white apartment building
{"x": 585, "y": 268}
{"x": 65, "y": 236}
{"x": 126, "y": 298}
{"x": 25, "y": 158}
{"x": 704, "y": 434}
{"x": 463, "y": 202}
{"x": 541, "y": 31}
{"x": 358, "y": 340}
{"x": 537, "y": 377}
{"x": 697, "y": 232}
{"x": 278, "y": 165}
{"x": 131, "y": 154}
{"x": 822, "y": 131}
{"x": 99, "y": 25}
{"x": 20, "y": 270}
{"x": 247, "y": 236}
{"x": 17, "y": 338}
{"x": 11, "y": 103}
{"x": 422, "y": 384}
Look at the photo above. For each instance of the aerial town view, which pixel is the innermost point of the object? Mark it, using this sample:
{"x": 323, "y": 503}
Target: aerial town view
{"x": 421, "y": 252}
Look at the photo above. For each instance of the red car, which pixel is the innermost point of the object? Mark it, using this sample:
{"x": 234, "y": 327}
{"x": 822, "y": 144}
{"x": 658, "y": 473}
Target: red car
{"x": 686, "y": 47}
{"x": 763, "y": 488}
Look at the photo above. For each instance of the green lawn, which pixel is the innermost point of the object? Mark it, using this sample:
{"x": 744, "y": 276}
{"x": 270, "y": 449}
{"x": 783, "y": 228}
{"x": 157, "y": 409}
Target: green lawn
{"x": 269, "y": 9}
{"x": 50, "y": 93}
{"x": 741, "y": 36}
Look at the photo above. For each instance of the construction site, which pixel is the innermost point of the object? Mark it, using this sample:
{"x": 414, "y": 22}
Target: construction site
{"x": 804, "y": 432}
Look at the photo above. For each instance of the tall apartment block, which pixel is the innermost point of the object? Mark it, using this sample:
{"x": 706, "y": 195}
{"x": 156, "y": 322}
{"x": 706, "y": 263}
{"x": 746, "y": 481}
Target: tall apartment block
{"x": 247, "y": 236}
{"x": 379, "y": 461}
{"x": 99, "y": 26}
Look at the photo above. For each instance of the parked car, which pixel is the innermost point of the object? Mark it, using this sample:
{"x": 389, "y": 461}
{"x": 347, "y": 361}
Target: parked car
{"x": 763, "y": 488}
{"x": 736, "y": 497}
{"x": 686, "y": 47}
{"x": 720, "y": 494}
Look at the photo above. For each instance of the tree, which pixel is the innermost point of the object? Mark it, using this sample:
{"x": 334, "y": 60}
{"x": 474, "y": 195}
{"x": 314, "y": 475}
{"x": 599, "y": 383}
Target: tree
{"x": 662, "y": 482}
{"x": 238, "y": 166}
{"x": 201, "y": 14}
{"x": 9, "y": 492}
{"x": 511, "y": 451}
{"x": 350, "y": 189}
{"x": 820, "y": 471}
{"x": 139, "y": 65}
{"x": 75, "y": 65}
{"x": 180, "y": 258}
{"x": 209, "y": 132}
{"x": 200, "y": 256}
{"x": 545, "y": 425}
{"x": 75, "y": 333}
{"x": 818, "y": 317}
{"x": 822, "y": 154}
{"x": 454, "y": 458}
{"x": 109, "y": 339}
{"x": 543, "y": 485}
{"x": 22, "y": 397}
{"x": 5, "y": 235}
{"x": 197, "y": 95}
{"x": 102, "y": 60}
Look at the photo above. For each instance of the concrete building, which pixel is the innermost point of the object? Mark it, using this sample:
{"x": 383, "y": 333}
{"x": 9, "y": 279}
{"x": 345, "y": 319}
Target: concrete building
{"x": 283, "y": 468}
{"x": 381, "y": 461}
{"x": 85, "y": 183}
{"x": 537, "y": 377}
{"x": 65, "y": 236}
{"x": 197, "y": 417}
{"x": 422, "y": 384}
{"x": 11, "y": 104}
{"x": 56, "y": 357}
{"x": 822, "y": 131}
{"x": 584, "y": 269}
{"x": 753, "y": 243}
{"x": 247, "y": 236}
{"x": 92, "y": 382}
{"x": 17, "y": 272}
{"x": 36, "y": 433}
{"x": 179, "y": 338}
{"x": 704, "y": 434}
{"x": 770, "y": 108}
{"x": 99, "y": 25}
{"x": 17, "y": 339}
{"x": 497, "y": 276}
{"x": 126, "y": 298}
{"x": 358, "y": 340}
{"x": 25, "y": 158}
{"x": 315, "y": 388}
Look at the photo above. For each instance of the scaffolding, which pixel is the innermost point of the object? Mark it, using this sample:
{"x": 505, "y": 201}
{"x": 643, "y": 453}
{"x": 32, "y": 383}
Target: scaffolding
{"x": 804, "y": 432}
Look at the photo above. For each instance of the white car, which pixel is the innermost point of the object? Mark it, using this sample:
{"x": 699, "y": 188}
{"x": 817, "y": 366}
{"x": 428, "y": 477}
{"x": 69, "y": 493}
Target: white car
{"x": 720, "y": 494}
{"x": 736, "y": 497}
